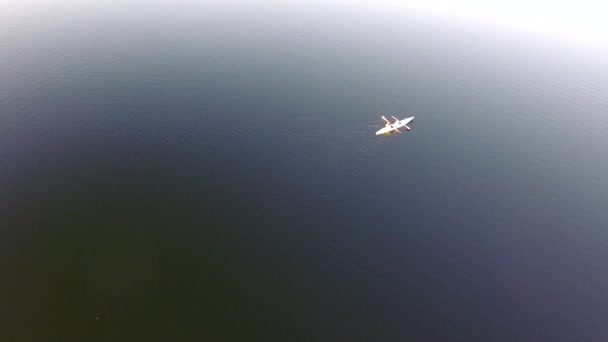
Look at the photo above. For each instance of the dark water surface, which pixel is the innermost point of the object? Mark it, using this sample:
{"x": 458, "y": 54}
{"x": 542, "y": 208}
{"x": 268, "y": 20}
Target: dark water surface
{"x": 178, "y": 171}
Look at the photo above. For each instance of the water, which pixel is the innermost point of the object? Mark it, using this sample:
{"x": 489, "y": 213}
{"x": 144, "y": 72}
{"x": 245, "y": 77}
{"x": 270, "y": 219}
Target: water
{"x": 188, "y": 171}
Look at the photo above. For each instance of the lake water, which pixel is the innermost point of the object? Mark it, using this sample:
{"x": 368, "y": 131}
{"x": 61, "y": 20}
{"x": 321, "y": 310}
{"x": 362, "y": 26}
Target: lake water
{"x": 187, "y": 172}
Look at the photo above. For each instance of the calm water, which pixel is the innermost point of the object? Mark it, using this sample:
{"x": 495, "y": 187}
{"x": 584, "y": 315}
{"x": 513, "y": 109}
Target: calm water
{"x": 177, "y": 172}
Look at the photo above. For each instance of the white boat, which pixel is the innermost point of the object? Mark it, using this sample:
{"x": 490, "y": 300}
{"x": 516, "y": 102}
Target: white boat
{"x": 395, "y": 125}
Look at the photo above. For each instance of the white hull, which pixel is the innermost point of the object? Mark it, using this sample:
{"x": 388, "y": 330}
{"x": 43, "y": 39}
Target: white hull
{"x": 396, "y": 125}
